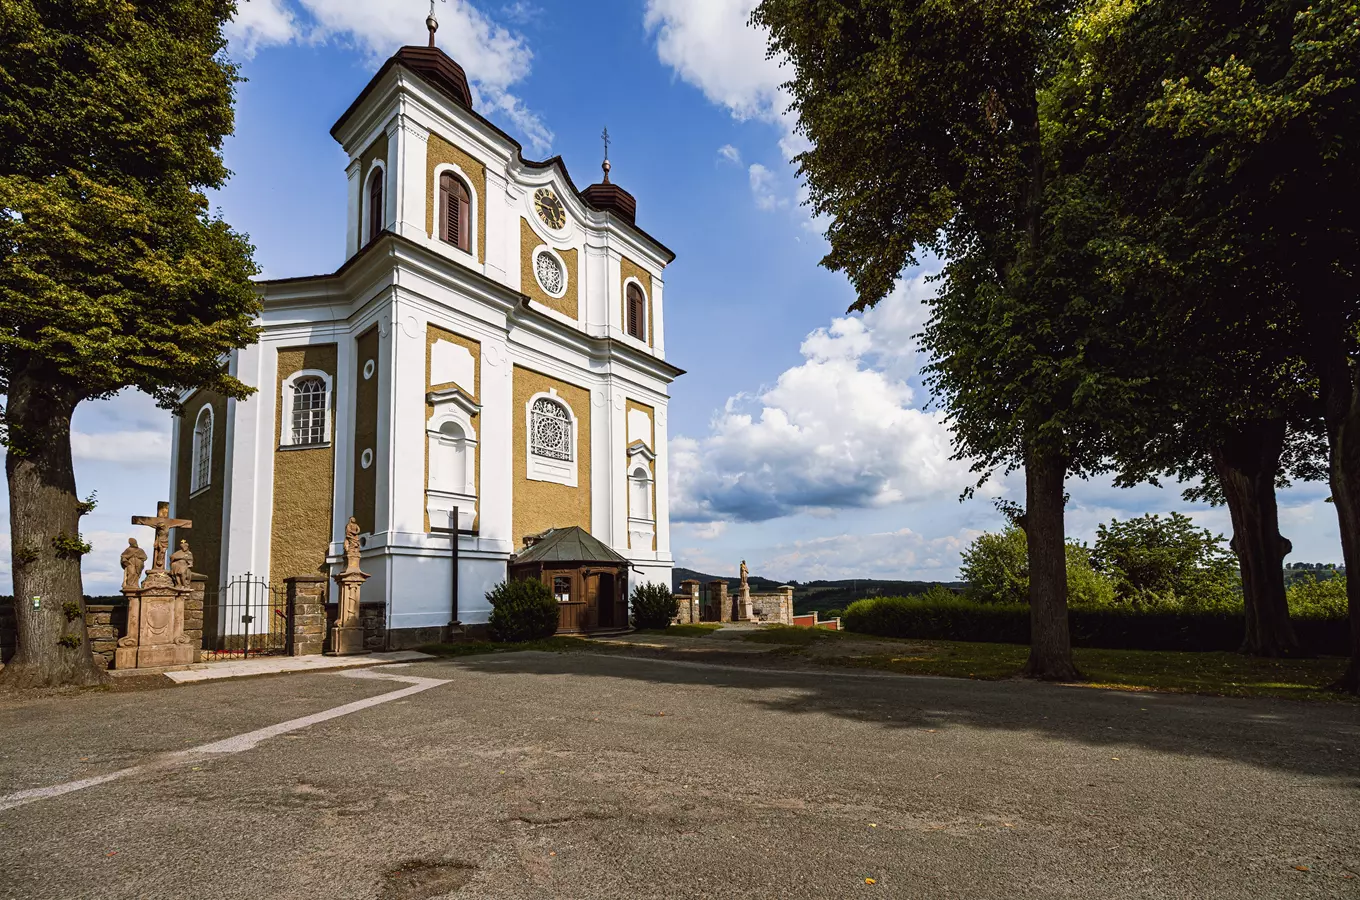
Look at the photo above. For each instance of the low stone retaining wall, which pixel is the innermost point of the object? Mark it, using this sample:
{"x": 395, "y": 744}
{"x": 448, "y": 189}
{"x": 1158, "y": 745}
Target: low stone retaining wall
{"x": 773, "y": 608}
{"x": 372, "y": 619}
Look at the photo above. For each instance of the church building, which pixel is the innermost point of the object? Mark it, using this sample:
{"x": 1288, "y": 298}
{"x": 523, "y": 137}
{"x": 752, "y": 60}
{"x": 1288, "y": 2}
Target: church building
{"x": 487, "y": 364}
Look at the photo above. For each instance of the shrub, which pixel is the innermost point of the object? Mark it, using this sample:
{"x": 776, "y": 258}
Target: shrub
{"x": 654, "y": 606}
{"x": 1107, "y": 627}
{"x": 522, "y": 611}
{"x": 1156, "y": 561}
{"x": 1313, "y": 599}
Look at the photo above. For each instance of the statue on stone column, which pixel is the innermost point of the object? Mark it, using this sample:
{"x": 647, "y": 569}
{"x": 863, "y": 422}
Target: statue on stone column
{"x": 182, "y": 566}
{"x": 132, "y": 560}
{"x": 352, "y": 547}
{"x": 744, "y": 573}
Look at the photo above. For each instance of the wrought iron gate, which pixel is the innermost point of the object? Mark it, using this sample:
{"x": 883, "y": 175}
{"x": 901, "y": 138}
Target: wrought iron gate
{"x": 247, "y": 617}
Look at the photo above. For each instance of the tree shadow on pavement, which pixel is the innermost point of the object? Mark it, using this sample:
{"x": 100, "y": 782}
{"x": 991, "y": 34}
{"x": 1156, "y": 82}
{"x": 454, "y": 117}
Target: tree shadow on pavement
{"x": 1305, "y": 738}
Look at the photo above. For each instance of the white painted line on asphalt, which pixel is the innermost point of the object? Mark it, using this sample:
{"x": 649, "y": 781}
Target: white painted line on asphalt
{"x": 12, "y": 800}
{"x": 240, "y": 742}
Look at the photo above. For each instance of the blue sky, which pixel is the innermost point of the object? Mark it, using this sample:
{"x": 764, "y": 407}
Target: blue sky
{"x": 802, "y": 438}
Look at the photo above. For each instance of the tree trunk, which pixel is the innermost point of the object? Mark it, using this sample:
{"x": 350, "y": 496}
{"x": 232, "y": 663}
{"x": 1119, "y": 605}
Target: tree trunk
{"x": 1050, "y": 642}
{"x": 44, "y": 517}
{"x": 1247, "y": 467}
{"x": 1342, "y": 402}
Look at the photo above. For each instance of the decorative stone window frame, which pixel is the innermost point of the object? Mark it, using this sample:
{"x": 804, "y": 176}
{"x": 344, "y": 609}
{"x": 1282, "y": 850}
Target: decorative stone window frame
{"x": 646, "y": 310}
{"x": 543, "y": 468}
{"x": 199, "y": 481}
{"x": 451, "y": 405}
{"x": 286, "y": 405}
{"x": 474, "y": 200}
{"x": 366, "y": 230}
{"x": 566, "y": 273}
{"x": 640, "y": 459}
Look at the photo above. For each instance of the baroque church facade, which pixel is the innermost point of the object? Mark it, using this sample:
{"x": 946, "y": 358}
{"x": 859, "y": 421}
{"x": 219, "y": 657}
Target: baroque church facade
{"x": 486, "y": 365}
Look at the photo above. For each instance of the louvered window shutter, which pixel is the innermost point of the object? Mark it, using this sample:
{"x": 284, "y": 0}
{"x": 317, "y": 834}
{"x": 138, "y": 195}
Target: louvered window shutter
{"x": 635, "y": 311}
{"x": 453, "y": 212}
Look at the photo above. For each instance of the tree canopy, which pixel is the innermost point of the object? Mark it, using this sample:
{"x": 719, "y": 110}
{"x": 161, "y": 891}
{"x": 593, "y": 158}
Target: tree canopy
{"x": 113, "y": 271}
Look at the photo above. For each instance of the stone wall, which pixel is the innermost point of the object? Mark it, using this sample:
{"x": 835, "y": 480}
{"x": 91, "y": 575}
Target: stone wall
{"x": 8, "y": 637}
{"x": 105, "y": 623}
{"x": 773, "y": 608}
{"x": 306, "y": 614}
{"x": 688, "y": 600}
{"x": 373, "y": 620}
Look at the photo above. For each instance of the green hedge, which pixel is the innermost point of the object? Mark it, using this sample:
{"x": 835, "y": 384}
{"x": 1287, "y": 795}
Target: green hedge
{"x": 1110, "y": 628}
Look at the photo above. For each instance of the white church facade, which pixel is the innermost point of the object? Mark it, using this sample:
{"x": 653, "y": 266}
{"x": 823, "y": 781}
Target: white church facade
{"x": 487, "y": 364}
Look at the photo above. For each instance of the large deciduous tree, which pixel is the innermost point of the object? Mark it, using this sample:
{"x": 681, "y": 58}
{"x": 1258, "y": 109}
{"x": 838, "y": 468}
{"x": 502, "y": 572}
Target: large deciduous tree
{"x": 113, "y": 272}
{"x": 928, "y": 136}
{"x": 1228, "y": 153}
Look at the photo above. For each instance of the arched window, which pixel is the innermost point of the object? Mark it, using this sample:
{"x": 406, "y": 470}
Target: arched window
{"x": 637, "y": 313}
{"x": 377, "y": 214}
{"x": 455, "y": 226}
{"x": 200, "y": 474}
{"x": 550, "y": 430}
{"x": 640, "y": 493}
{"x": 309, "y": 411}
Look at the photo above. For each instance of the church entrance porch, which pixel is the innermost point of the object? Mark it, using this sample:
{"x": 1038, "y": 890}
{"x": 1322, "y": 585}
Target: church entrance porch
{"x": 587, "y": 578}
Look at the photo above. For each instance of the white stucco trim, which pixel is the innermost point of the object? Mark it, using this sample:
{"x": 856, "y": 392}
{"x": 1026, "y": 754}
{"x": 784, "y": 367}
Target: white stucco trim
{"x": 452, "y": 406}
{"x": 542, "y": 468}
{"x": 566, "y": 272}
{"x": 471, "y": 252}
{"x": 286, "y": 400}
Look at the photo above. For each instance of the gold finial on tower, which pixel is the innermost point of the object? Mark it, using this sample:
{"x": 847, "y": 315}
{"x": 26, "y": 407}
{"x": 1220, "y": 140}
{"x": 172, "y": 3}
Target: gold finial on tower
{"x": 605, "y": 137}
{"x": 432, "y": 24}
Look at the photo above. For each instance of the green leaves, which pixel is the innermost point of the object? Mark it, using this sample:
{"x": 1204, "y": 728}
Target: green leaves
{"x": 112, "y": 273}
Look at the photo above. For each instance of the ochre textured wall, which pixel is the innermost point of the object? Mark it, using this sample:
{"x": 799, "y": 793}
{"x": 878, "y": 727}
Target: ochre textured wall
{"x": 366, "y": 431}
{"x": 204, "y": 508}
{"x": 651, "y": 445}
{"x": 629, "y": 269}
{"x": 568, "y": 304}
{"x": 304, "y": 480}
{"x": 434, "y": 333}
{"x": 438, "y": 152}
{"x": 540, "y": 505}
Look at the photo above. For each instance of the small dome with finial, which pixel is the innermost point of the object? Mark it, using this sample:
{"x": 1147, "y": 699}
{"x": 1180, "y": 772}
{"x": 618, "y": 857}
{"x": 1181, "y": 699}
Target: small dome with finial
{"x": 610, "y": 197}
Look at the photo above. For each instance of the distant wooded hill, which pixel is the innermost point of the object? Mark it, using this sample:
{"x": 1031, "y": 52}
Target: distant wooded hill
{"x": 822, "y": 595}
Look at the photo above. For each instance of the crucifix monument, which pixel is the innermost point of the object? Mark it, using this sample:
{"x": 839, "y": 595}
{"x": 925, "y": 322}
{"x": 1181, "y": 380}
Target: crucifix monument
{"x": 155, "y": 636}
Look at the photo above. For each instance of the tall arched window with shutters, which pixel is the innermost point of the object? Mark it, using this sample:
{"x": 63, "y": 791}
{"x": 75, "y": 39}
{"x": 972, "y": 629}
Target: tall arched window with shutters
{"x": 200, "y": 473}
{"x": 377, "y": 213}
{"x": 637, "y": 313}
{"x": 455, "y": 219}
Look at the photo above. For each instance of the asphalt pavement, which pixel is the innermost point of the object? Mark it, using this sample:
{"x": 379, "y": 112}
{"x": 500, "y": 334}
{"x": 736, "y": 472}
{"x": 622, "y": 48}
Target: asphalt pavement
{"x": 594, "y": 776}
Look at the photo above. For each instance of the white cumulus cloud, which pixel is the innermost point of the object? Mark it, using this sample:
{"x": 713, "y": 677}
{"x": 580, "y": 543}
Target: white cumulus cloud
{"x": 730, "y": 154}
{"x": 842, "y": 430}
{"x": 494, "y": 57}
{"x": 127, "y": 447}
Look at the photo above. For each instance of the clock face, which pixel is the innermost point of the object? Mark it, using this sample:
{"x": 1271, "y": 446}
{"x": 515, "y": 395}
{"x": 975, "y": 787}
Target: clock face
{"x": 550, "y": 209}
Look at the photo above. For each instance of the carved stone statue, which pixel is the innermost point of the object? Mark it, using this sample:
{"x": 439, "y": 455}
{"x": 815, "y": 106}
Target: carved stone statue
{"x": 182, "y": 566}
{"x": 744, "y": 573}
{"x": 162, "y": 523}
{"x": 352, "y": 547}
{"x": 132, "y": 560}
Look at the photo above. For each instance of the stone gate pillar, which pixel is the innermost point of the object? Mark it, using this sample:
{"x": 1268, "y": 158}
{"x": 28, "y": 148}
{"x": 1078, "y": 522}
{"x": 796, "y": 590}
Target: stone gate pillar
{"x": 306, "y": 614}
{"x": 690, "y": 613}
{"x": 718, "y": 591}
